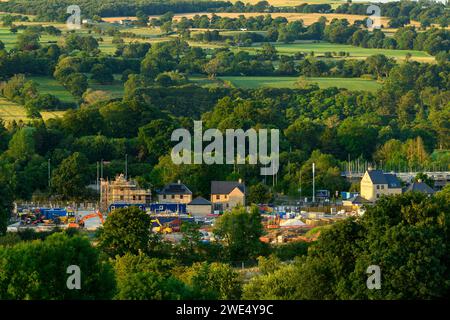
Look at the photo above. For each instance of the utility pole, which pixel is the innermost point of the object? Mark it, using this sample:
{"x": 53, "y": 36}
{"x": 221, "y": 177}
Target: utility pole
{"x": 126, "y": 166}
{"x": 98, "y": 178}
{"x": 101, "y": 169}
{"x": 49, "y": 171}
{"x": 314, "y": 186}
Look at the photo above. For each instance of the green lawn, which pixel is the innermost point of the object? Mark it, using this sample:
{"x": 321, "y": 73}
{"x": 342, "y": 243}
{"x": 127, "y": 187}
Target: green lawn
{"x": 288, "y": 82}
{"x": 355, "y": 52}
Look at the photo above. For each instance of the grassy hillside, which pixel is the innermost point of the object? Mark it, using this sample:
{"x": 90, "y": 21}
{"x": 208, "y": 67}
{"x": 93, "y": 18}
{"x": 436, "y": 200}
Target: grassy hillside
{"x": 289, "y": 82}
{"x": 355, "y": 52}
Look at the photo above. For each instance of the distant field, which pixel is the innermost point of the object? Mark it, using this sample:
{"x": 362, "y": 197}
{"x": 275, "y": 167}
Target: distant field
{"x": 10, "y": 111}
{"x": 9, "y": 38}
{"x": 290, "y": 3}
{"x": 355, "y": 52}
{"x": 52, "y": 86}
{"x": 289, "y": 82}
{"x": 308, "y": 18}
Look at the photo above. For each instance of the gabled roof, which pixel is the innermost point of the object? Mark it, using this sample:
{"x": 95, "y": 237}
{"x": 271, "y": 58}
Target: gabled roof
{"x": 175, "y": 188}
{"x": 199, "y": 201}
{"x": 357, "y": 200}
{"x": 378, "y": 177}
{"x": 392, "y": 180}
{"x": 225, "y": 187}
{"x": 419, "y": 187}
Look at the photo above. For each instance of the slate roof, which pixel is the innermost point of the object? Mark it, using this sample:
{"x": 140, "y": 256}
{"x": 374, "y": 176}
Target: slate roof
{"x": 199, "y": 201}
{"x": 357, "y": 200}
{"x": 420, "y": 187}
{"x": 175, "y": 188}
{"x": 225, "y": 187}
{"x": 378, "y": 177}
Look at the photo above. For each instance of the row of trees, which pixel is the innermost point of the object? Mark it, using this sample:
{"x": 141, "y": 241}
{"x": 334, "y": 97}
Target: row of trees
{"x": 46, "y": 11}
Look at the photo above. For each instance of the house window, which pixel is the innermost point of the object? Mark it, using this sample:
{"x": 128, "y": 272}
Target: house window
{"x": 378, "y": 195}
{"x": 134, "y": 197}
{"x": 181, "y": 196}
{"x": 217, "y": 197}
{"x": 382, "y": 187}
{"x": 121, "y": 197}
{"x": 139, "y": 197}
{"x": 378, "y": 187}
{"x": 164, "y": 196}
{"x": 173, "y": 196}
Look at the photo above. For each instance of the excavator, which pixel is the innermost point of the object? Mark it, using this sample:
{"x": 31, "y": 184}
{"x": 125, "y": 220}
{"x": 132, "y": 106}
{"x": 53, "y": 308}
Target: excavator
{"x": 160, "y": 228}
{"x": 80, "y": 223}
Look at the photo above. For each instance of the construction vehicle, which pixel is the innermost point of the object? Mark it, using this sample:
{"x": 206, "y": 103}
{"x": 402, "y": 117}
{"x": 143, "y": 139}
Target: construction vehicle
{"x": 80, "y": 223}
{"x": 161, "y": 228}
{"x": 69, "y": 217}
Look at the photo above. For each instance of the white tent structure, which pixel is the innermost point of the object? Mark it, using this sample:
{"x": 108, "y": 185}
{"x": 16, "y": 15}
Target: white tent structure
{"x": 292, "y": 223}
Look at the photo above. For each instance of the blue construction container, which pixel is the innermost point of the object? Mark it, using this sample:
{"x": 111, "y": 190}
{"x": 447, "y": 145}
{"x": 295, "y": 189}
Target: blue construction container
{"x": 347, "y": 195}
{"x": 152, "y": 207}
{"x": 52, "y": 213}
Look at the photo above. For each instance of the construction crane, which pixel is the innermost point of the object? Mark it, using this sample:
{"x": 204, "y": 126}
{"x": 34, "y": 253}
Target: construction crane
{"x": 160, "y": 227}
{"x": 80, "y": 223}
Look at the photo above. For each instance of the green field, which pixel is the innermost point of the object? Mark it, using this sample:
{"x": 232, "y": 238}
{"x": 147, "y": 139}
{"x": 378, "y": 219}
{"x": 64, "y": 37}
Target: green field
{"x": 9, "y": 39}
{"x": 52, "y": 86}
{"x": 355, "y": 52}
{"x": 10, "y": 111}
{"x": 289, "y": 82}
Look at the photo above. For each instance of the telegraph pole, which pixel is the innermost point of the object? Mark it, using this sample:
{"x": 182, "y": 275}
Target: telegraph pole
{"x": 313, "y": 182}
{"x": 126, "y": 166}
{"x": 49, "y": 172}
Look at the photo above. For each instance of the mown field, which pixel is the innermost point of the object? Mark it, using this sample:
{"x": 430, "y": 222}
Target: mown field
{"x": 50, "y": 85}
{"x": 355, "y": 52}
{"x": 10, "y": 111}
{"x": 250, "y": 82}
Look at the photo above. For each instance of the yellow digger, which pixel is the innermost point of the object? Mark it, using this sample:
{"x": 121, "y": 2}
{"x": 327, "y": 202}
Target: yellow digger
{"x": 161, "y": 228}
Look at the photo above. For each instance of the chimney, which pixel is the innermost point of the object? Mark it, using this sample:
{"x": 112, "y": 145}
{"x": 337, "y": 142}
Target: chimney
{"x": 179, "y": 181}
{"x": 240, "y": 180}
